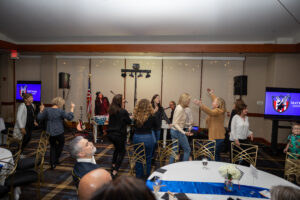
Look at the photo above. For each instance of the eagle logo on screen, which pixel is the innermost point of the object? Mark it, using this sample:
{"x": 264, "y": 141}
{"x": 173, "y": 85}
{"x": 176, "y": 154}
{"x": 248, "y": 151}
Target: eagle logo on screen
{"x": 23, "y": 90}
{"x": 281, "y": 103}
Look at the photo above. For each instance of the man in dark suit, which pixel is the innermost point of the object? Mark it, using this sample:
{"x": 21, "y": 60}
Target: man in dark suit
{"x": 83, "y": 151}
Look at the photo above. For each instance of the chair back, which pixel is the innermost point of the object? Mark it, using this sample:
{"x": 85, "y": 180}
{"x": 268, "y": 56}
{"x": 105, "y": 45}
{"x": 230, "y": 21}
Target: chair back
{"x": 292, "y": 167}
{"x": 136, "y": 153}
{"x": 41, "y": 150}
{"x": 76, "y": 180}
{"x": 166, "y": 150}
{"x": 244, "y": 152}
{"x": 12, "y": 143}
{"x": 204, "y": 149}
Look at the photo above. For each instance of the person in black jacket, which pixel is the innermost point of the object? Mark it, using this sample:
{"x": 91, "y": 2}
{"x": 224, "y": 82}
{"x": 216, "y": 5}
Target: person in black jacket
{"x": 159, "y": 114}
{"x": 117, "y": 130}
{"x": 144, "y": 121}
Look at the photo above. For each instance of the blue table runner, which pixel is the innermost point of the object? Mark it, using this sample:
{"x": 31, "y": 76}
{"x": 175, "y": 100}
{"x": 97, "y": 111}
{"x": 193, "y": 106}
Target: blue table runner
{"x": 208, "y": 188}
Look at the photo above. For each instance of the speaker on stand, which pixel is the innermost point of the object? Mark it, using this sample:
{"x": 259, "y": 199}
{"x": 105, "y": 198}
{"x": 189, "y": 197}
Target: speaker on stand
{"x": 64, "y": 83}
{"x": 240, "y": 85}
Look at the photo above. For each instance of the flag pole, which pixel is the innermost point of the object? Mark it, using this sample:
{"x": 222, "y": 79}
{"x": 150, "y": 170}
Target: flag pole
{"x": 89, "y": 94}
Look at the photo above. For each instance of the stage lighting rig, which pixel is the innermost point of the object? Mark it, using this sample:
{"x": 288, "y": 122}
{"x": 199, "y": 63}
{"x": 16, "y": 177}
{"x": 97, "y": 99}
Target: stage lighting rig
{"x": 135, "y": 73}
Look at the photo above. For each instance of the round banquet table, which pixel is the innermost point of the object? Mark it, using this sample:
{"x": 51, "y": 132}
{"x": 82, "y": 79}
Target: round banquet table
{"x": 199, "y": 183}
{"x": 5, "y": 157}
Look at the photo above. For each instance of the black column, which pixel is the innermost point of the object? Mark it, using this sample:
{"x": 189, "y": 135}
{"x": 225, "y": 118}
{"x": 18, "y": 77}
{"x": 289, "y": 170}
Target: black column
{"x": 274, "y": 136}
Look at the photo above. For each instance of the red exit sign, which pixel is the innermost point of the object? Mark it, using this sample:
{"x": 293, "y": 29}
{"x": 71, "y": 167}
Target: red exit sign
{"x": 14, "y": 54}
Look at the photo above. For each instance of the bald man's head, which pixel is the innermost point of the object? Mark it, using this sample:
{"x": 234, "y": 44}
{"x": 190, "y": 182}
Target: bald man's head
{"x": 91, "y": 182}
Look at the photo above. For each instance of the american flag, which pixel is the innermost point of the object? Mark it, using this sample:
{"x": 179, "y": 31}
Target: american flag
{"x": 89, "y": 100}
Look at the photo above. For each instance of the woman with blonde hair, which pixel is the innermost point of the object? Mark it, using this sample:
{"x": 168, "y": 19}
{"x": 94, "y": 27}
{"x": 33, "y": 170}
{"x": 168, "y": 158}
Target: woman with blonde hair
{"x": 178, "y": 124}
{"x": 54, "y": 117}
{"x": 215, "y": 120}
{"x": 144, "y": 121}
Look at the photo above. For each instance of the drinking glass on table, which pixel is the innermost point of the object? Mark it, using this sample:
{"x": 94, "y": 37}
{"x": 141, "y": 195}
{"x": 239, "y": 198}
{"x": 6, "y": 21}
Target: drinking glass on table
{"x": 204, "y": 163}
{"x": 157, "y": 185}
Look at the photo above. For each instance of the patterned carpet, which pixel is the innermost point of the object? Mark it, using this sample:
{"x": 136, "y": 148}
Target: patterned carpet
{"x": 58, "y": 183}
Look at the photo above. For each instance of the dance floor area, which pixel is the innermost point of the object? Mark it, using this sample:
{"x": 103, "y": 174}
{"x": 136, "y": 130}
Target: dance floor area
{"x": 58, "y": 183}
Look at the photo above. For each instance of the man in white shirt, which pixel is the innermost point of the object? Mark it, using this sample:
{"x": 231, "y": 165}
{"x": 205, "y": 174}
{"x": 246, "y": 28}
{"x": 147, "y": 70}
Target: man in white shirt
{"x": 83, "y": 151}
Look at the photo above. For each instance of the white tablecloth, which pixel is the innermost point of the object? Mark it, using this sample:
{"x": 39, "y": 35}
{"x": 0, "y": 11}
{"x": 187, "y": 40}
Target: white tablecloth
{"x": 6, "y": 157}
{"x": 2, "y": 127}
{"x": 194, "y": 172}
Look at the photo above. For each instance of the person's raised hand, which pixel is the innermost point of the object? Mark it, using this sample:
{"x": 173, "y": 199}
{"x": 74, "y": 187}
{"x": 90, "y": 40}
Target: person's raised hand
{"x": 72, "y": 105}
{"x": 210, "y": 91}
{"x": 197, "y": 102}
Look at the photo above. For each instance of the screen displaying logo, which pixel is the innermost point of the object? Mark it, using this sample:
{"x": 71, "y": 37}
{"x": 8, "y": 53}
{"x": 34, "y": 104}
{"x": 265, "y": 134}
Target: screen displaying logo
{"x": 281, "y": 103}
{"x": 23, "y": 90}
{"x": 34, "y": 89}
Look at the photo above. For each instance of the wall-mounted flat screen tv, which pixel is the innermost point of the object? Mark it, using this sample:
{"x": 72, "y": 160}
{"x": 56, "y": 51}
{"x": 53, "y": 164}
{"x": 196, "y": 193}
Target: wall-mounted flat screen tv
{"x": 282, "y": 103}
{"x": 33, "y": 87}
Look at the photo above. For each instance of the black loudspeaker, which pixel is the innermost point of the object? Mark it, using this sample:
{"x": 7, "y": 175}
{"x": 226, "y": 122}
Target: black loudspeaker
{"x": 240, "y": 85}
{"x": 64, "y": 80}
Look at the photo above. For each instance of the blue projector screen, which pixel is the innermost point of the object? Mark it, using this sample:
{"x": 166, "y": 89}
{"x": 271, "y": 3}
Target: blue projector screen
{"x": 33, "y": 87}
{"x": 282, "y": 103}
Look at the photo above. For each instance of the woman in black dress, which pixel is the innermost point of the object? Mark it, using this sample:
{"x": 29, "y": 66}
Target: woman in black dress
{"x": 117, "y": 130}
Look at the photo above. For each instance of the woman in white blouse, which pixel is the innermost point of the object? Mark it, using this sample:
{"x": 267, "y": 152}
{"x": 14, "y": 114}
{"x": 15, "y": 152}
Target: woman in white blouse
{"x": 240, "y": 126}
{"x": 179, "y": 122}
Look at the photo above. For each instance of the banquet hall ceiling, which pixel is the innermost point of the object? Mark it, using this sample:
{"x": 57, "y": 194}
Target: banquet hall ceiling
{"x": 150, "y": 21}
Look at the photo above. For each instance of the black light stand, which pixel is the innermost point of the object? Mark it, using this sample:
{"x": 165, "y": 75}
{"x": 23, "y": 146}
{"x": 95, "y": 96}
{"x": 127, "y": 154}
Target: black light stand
{"x": 134, "y": 74}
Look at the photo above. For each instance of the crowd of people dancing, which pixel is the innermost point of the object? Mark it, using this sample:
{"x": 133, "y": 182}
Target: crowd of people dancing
{"x": 147, "y": 124}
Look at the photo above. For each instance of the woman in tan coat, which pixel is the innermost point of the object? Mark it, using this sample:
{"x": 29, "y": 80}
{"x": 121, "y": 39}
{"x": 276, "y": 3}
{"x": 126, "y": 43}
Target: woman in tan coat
{"x": 215, "y": 120}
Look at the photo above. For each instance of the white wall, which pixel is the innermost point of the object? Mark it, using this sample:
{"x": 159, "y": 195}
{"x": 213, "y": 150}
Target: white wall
{"x": 181, "y": 76}
{"x": 78, "y": 70}
{"x": 106, "y": 77}
{"x": 218, "y": 75}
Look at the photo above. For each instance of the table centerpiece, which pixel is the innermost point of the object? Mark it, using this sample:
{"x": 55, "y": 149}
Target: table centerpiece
{"x": 229, "y": 172}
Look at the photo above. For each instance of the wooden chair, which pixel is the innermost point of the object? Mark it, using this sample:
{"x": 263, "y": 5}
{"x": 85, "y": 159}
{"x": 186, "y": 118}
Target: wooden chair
{"x": 244, "y": 152}
{"x": 136, "y": 153}
{"x": 167, "y": 150}
{"x": 292, "y": 167}
{"x": 76, "y": 180}
{"x": 204, "y": 149}
{"x": 40, "y": 154}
